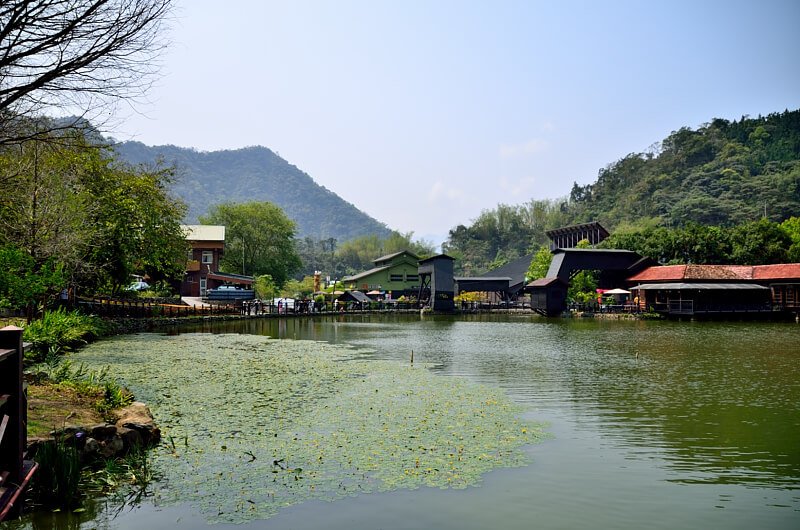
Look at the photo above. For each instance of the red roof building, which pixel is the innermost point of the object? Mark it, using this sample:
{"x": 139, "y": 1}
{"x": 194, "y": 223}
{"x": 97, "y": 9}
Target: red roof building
{"x": 718, "y": 288}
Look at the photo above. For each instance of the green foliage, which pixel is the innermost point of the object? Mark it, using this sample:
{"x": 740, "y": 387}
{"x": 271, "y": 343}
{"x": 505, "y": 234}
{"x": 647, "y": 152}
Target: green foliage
{"x": 792, "y": 228}
{"x": 540, "y": 264}
{"x": 257, "y": 174}
{"x": 753, "y": 243}
{"x": 58, "y": 330}
{"x": 71, "y": 207}
{"x": 504, "y": 234}
{"x": 723, "y": 173}
{"x": 265, "y": 288}
{"x": 109, "y": 394}
{"x": 358, "y": 254}
{"x": 24, "y": 283}
{"x": 259, "y": 239}
{"x": 298, "y": 289}
{"x": 56, "y": 484}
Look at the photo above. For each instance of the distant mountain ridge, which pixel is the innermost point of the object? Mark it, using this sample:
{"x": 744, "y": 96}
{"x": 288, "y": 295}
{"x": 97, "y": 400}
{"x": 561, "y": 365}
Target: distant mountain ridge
{"x": 256, "y": 173}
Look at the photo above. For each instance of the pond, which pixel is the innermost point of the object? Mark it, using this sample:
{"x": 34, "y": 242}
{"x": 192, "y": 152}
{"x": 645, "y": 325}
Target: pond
{"x": 656, "y": 424}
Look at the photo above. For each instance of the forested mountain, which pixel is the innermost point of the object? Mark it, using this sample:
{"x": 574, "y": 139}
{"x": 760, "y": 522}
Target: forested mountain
{"x": 256, "y": 174}
{"x": 723, "y": 173}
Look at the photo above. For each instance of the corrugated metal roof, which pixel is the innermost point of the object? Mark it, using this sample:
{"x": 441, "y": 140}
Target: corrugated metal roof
{"x": 394, "y": 255}
{"x": 365, "y": 274}
{"x": 698, "y": 286}
{"x": 204, "y": 232}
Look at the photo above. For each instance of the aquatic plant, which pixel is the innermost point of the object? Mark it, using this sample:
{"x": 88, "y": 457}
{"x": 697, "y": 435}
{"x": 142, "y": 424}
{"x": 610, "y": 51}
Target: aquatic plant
{"x": 56, "y": 483}
{"x": 253, "y": 424}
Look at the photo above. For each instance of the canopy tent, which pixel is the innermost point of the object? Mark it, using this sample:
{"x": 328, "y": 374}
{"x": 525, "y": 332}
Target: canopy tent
{"x": 616, "y": 291}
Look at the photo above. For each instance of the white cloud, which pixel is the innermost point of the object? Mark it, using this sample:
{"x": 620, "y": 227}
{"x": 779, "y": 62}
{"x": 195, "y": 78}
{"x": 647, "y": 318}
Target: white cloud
{"x": 439, "y": 192}
{"x": 520, "y": 188}
{"x": 533, "y": 146}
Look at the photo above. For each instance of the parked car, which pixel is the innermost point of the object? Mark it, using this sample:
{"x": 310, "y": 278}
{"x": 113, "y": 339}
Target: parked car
{"x": 139, "y": 285}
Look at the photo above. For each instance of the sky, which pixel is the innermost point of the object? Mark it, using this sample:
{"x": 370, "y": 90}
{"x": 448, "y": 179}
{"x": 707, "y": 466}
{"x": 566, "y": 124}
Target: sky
{"x": 425, "y": 113}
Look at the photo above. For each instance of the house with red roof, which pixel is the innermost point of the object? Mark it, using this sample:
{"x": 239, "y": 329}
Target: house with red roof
{"x": 718, "y": 289}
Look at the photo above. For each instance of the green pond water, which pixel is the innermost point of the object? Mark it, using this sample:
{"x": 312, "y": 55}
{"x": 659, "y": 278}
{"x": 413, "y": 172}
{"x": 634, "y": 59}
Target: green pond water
{"x": 647, "y": 424}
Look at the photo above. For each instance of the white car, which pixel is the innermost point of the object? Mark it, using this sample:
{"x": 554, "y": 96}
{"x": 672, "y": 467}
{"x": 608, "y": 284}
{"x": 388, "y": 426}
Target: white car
{"x": 138, "y": 285}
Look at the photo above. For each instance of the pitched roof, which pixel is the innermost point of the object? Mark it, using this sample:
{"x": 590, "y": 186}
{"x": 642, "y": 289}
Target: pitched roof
{"x": 699, "y": 286}
{"x": 204, "y": 232}
{"x": 365, "y": 273}
{"x": 514, "y": 269}
{"x": 659, "y": 273}
{"x": 358, "y": 296}
{"x": 387, "y": 257}
{"x": 676, "y": 273}
{"x": 544, "y": 282}
{"x": 782, "y": 271}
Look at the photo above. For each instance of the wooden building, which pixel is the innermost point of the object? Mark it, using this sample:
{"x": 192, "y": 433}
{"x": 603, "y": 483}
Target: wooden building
{"x": 396, "y": 274}
{"x": 569, "y": 236}
{"x": 207, "y": 246}
{"x": 718, "y": 289}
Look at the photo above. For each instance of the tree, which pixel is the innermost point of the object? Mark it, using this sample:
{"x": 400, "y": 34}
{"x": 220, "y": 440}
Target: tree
{"x": 23, "y": 284}
{"x": 98, "y": 220}
{"x": 138, "y": 225}
{"x": 265, "y": 288}
{"x": 259, "y": 239}
{"x": 583, "y": 286}
{"x": 78, "y": 55}
{"x": 759, "y": 242}
{"x": 540, "y": 264}
{"x": 792, "y": 228}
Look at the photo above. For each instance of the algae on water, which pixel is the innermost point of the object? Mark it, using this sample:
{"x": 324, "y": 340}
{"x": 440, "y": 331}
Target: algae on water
{"x": 252, "y": 424}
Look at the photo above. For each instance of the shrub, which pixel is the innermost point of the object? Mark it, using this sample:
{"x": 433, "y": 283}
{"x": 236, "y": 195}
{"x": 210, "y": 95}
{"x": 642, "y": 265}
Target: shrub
{"x": 59, "y": 330}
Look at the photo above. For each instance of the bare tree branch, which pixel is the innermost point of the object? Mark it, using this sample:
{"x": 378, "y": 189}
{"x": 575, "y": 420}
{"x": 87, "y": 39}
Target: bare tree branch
{"x": 75, "y": 55}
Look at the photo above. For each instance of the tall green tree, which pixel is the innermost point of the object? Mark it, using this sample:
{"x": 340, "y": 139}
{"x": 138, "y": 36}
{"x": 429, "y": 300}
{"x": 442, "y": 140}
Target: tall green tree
{"x": 792, "y": 228}
{"x": 259, "y": 239}
{"x": 70, "y": 203}
{"x": 540, "y": 264}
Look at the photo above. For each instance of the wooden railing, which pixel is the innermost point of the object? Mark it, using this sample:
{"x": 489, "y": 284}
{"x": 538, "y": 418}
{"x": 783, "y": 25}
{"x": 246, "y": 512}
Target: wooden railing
{"x": 109, "y": 307}
{"x": 15, "y": 471}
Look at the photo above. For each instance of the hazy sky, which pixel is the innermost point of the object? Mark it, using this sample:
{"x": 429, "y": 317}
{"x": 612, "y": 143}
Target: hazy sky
{"x": 423, "y": 114}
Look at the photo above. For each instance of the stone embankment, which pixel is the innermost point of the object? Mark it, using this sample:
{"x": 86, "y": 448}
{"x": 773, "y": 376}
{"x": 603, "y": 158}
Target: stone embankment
{"x": 134, "y": 428}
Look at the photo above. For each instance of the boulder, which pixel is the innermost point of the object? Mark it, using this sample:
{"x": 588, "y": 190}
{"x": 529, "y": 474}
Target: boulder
{"x": 137, "y": 416}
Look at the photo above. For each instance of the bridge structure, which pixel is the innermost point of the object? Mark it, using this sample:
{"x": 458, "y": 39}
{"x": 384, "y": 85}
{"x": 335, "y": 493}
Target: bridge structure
{"x": 549, "y": 294}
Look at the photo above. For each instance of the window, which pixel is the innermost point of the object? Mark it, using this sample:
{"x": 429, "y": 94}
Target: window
{"x": 203, "y": 286}
{"x": 412, "y": 277}
{"x": 190, "y": 255}
{"x": 208, "y": 256}
{"x": 395, "y": 277}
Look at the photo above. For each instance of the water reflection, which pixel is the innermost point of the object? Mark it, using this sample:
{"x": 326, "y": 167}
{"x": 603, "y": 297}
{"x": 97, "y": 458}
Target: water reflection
{"x": 647, "y": 416}
{"x": 715, "y": 403}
